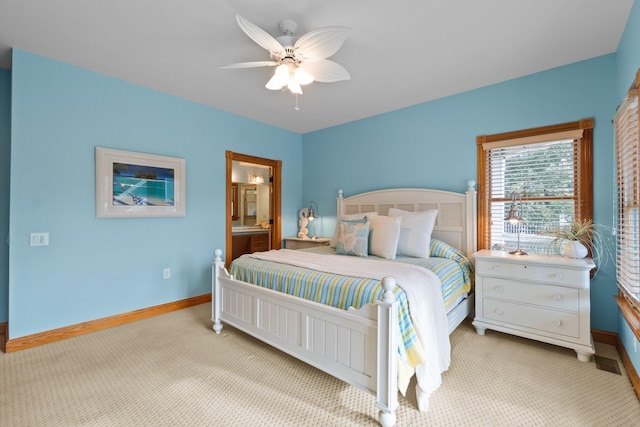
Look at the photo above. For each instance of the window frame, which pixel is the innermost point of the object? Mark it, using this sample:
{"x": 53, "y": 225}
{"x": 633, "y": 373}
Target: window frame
{"x": 629, "y": 307}
{"x": 585, "y": 194}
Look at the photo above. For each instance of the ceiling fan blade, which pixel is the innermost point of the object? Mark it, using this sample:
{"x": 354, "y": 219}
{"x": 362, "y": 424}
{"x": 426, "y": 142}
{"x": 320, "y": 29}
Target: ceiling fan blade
{"x": 261, "y": 37}
{"x": 326, "y": 71}
{"x": 320, "y": 44}
{"x": 251, "y": 64}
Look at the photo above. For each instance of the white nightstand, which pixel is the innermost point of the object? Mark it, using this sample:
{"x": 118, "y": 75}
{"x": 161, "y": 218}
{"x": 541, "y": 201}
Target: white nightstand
{"x": 541, "y": 297}
{"x": 298, "y": 243}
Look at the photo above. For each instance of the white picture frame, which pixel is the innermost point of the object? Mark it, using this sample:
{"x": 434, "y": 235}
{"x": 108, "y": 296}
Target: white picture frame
{"x": 139, "y": 185}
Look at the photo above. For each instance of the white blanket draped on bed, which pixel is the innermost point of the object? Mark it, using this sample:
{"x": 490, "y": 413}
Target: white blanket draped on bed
{"x": 424, "y": 294}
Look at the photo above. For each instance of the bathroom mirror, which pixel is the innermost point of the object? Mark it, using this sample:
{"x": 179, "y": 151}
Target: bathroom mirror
{"x": 250, "y": 198}
{"x": 253, "y": 204}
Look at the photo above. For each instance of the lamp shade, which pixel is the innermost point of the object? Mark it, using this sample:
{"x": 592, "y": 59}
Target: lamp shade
{"x": 514, "y": 214}
{"x": 302, "y": 77}
{"x": 294, "y": 86}
{"x": 313, "y": 211}
{"x": 513, "y": 217}
{"x": 280, "y": 78}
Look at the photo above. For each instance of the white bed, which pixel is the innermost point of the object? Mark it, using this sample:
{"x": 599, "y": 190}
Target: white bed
{"x": 358, "y": 346}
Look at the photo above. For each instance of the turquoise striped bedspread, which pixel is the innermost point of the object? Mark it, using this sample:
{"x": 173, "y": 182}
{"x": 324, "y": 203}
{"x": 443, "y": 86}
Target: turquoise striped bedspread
{"x": 454, "y": 271}
{"x": 456, "y": 279}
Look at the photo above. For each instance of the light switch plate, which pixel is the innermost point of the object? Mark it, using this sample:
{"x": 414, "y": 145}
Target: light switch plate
{"x": 39, "y": 239}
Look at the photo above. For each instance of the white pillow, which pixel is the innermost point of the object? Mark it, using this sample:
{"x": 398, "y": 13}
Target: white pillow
{"x": 383, "y": 235}
{"x": 351, "y": 217}
{"x": 415, "y": 231}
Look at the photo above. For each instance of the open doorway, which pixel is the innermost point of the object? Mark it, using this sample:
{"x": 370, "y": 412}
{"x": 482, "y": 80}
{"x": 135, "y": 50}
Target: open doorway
{"x": 253, "y": 204}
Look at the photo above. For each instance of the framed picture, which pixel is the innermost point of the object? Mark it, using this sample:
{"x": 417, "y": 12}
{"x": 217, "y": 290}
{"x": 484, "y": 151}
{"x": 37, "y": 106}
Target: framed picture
{"x": 134, "y": 185}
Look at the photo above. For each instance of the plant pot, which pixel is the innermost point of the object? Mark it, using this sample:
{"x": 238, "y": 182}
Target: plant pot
{"x": 574, "y": 249}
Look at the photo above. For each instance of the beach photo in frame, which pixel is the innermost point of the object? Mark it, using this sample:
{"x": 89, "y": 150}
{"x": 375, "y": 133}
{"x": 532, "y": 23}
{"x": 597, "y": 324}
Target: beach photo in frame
{"x": 138, "y": 185}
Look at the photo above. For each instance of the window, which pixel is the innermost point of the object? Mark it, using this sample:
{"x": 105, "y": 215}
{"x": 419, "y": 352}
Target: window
{"x": 546, "y": 172}
{"x": 628, "y": 219}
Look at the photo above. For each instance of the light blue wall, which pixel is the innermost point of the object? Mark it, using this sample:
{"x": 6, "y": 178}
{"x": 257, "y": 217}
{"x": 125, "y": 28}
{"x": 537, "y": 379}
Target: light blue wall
{"x": 627, "y": 64}
{"x": 434, "y": 145}
{"x": 95, "y": 268}
{"x": 5, "y": 165}
{"x": 100, "y": 267}
{"x": 414, "y": 146}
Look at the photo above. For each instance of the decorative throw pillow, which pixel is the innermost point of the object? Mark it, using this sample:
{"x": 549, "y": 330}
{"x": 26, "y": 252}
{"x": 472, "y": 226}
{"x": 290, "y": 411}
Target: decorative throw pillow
{"x": 440, "y": 249}
{"x": 350, "y": 217}
{"x": 353, "y": 238}
{"x": 384, "y": 233}
{"x": 415, "y": 231}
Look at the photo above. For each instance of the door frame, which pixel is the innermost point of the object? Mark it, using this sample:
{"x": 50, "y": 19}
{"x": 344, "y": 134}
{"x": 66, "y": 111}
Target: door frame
{"x": 275, "y": 198}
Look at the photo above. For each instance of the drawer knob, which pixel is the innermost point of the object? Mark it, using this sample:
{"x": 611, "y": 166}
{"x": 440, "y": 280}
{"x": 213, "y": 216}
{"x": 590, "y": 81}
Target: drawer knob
{"x": 499, "y": 311}
{"x": 499, "y": 289}
{"x": 557, "y": 322}
{"x": 495, "y": 268}
{"x": 557, "y": 297}
{"x": 559, "y": 275}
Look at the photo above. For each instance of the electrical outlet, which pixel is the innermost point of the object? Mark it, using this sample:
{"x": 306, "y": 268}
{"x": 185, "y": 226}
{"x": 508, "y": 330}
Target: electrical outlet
{"x": 166, "y": 273}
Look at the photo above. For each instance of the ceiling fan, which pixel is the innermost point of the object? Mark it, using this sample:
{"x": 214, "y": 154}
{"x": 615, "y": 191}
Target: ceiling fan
{"x": 298, "y": 61}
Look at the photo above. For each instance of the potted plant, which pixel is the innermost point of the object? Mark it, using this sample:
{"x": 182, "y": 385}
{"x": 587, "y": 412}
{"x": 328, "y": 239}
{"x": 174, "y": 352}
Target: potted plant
{"x": 581, "y": 237}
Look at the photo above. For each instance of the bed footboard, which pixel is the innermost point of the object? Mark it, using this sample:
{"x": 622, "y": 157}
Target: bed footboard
{"x": 356, "y": 346}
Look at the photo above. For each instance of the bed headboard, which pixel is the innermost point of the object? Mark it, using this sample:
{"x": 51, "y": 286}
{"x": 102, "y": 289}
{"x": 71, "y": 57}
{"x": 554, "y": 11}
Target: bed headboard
{"x": 456, "y": 223}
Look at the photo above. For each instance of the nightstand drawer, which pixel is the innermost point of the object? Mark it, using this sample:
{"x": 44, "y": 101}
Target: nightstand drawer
{"x": 534, "y": 273}
{"x": 293, "y": 244}
{"x": 297, "y": 243}
{"x": 555, "y": 297}
{"x": 536, "y": 318}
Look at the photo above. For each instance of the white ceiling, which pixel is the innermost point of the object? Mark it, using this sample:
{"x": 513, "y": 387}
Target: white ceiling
{"x": 399, "y": 53}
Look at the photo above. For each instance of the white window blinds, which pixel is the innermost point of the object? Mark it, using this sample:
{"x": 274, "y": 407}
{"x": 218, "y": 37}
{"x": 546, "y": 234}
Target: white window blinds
{"x": 628, "y": 218}
{"x": 543, "y": 172}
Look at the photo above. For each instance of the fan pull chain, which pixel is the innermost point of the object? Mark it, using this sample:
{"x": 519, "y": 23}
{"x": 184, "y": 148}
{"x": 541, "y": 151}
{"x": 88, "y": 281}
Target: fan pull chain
{"x": 296, "y": 107}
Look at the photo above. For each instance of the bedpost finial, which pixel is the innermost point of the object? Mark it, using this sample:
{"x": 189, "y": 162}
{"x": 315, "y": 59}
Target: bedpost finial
{"x": 340, "y": 192}
{"x": 218, "y": 253}
{"x": 472, "y": 184}
{"x": 388, "y": 284}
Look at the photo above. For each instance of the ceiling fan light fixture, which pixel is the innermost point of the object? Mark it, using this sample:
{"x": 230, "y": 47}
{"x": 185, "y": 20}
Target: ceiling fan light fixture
{"x": 280, "y": 78}
{"x": 274, "y": 84}
{"x": 294, "y": 87}
{"x": 288, "y": 52}
{"x": 303, "y": 77}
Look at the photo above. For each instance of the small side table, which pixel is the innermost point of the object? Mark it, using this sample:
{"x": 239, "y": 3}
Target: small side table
{"x": 540, "y": 297}
{"x": 298, "y": 243}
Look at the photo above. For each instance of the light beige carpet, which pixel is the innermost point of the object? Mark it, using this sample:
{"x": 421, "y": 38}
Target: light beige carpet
{"x": 173, "y": 370}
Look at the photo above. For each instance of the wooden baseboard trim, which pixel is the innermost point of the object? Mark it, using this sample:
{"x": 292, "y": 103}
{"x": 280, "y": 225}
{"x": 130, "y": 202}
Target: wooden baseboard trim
{"x": 605, "y": 337}
{"x": 53, "y": 335}
{"x": 612, "y": 338}
{"x": 3, "y": 335}
{"x": 628, "y": 366}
